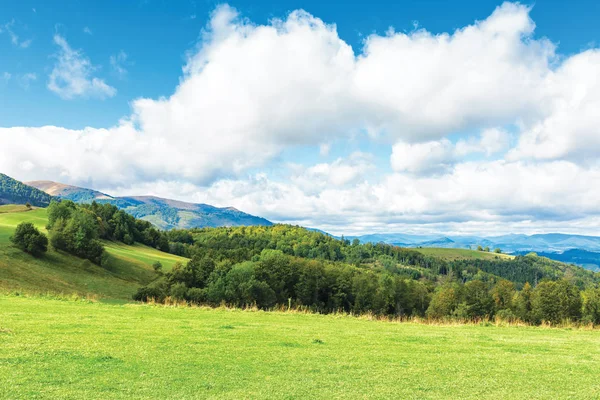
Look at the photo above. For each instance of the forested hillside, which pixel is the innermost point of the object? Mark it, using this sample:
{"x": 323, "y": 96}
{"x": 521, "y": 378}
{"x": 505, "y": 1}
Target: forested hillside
{"x": 289, "y": 265}
{"x": 15, "y": 192}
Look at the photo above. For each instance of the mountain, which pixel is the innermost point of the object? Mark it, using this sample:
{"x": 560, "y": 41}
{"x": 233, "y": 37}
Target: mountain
{"x": 587, "y": 259}
{"x": 164, "y": 213}
{"x": 14, "y": 192}
{"x": 513, "y": 243}
{"x": 74, "y": 193}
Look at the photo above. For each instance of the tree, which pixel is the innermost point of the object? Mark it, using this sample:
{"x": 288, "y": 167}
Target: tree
{"x": 555, "y": 302}
{"x": 28, "y": 205}
{"x": 478, "y": 301}
{"x": 487, "y": 249}
{"x": 157, "y": 266}
{"x": 443, "y": 302}
{"x": 522, "y": 303}
{"x": 479, "y": 248}
{"x": 29, "y": 239}
{"x": 498, "y": 251}
{"x": 503, "y": 293}
{"x": 591, "y": 306}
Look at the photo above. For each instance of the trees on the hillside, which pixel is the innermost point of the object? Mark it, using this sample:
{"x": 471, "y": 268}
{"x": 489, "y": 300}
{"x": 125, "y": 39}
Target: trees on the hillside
{"x": 556, "y": 302}
{"x": 591, "y": 306}
{"x": 29, "y": 239}
{"x": 77, "y": 235}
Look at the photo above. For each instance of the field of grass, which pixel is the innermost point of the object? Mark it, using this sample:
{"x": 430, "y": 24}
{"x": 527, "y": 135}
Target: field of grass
{"x": 129, "y": 266}
{"x": 461, "y": 254}
{"x": 55, "y": 349}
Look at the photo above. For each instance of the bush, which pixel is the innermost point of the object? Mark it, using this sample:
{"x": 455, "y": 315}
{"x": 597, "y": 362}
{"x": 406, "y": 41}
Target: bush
{"x": 145, "y": 293}
{"x": 29, "y": 239}
{"x": 196, "y": 295}
{"x": 157, "y": 266}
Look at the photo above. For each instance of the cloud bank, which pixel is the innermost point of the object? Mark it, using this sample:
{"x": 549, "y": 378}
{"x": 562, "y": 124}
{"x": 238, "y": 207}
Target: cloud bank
{"x": 488, "y": 127}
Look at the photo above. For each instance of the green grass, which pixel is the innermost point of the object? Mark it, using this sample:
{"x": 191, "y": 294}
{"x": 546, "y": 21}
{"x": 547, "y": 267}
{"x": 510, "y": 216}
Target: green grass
{"x": 129, "y": 266}
{"x": 10, "y": 208}
{"x": 461, "y": 254}
{"x": 142, "y": 255}
{"x": 54, "y": 349}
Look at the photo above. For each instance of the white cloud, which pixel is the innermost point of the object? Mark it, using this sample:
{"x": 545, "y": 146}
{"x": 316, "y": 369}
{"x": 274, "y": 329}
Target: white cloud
{"x": 569, "y": 130}
{"x": 26, "y": 79}
{"x": 427, "y": 157}
{"x": 14, "y": 38}
{"x": 249, "y": 92}
{"x": 488, "y": 197}
{"x": 339, "y": 173}
{"x": 72, "y": 77}
{"x": 438, "y": 156}
{"x": 118, "y": 62}
{"x": 87, "y": 31}
{"x": 6, "y": 76}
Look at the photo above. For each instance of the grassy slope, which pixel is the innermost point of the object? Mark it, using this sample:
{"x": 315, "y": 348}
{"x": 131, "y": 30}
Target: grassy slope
{"x": 141, "y": 351}
{"x": 461, "y": 254}
{"x": 130, "y": 266}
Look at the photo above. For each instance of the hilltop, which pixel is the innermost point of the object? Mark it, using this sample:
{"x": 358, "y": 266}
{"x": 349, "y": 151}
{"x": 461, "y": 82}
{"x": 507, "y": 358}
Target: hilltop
{"x": 161, "y": 212}
{"x": 13, "y": 191}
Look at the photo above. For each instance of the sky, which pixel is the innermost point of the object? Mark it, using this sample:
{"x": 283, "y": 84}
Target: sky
{"x": 465, "y": 117}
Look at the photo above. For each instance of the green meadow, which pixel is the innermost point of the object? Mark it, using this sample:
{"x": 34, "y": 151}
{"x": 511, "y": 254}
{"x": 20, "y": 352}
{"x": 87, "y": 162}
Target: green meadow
{"x": 58, "y": 349}
{"x": 461, "y": 254}
{"x": 129, "y": 266}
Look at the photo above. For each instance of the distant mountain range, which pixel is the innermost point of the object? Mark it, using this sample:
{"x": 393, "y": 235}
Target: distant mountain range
{"x": 576, "y": 249}
{"x": 164, "y": 213}
{"x": 550, "y": 242}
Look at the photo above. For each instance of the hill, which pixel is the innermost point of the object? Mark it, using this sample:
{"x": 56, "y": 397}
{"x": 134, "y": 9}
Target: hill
{"x": 69, "y": 192}
{"x": 80, "y": 350}
{"x": 15, "y": 192}
{"x": 163, "y": 213}
{"x": 462, "y": 254}
{"x": 128, "y": 267}
{"x": 587, "y": 259}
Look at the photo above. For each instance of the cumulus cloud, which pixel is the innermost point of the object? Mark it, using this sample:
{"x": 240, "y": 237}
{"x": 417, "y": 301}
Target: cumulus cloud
{"x": 248, "y": 92}
{"x": 438, "y": 156}
{"x": 72, "y": 75}
{"x": 340, "y": 173}
{"x": 569, "y": 130}
{"x": 490, "y": 197}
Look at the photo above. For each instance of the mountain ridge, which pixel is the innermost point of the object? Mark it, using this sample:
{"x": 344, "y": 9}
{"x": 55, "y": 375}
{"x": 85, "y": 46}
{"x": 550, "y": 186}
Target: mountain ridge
{"x": 162, "y": 212}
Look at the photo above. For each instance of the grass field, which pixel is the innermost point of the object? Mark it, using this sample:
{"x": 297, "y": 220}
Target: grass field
{"x": 461, "y": 254}
{"x": 129, "y": 266}
{"x": 55, "y": 349}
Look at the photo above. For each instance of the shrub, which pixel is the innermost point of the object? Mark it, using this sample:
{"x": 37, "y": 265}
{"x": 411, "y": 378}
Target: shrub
{"x": 145, "y": 293}
{"x": 196, "y": 295}
{"x": 29, "y": 239}
{"x": 157, "y": 266}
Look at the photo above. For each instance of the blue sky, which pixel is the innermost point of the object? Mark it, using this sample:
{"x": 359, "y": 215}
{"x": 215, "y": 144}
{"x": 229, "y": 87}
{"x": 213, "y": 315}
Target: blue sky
{"x": 364, "y": 142}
